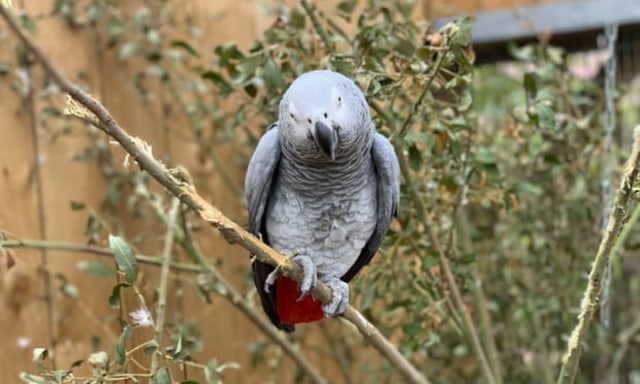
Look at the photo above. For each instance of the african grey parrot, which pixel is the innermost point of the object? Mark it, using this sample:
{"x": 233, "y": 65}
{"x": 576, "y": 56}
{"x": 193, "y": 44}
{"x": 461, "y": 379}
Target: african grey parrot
{"x": 322, "y": 186}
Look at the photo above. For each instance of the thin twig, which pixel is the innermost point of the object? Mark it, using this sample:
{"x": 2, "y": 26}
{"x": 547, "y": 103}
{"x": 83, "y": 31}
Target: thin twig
{"x": 468, "y": 326}
{"x": 625, "y": 337}
{"x": 416, "y": 106}
{"x": 479, "y": 299}
{"x": 309, "y": 9}
{"x": 36, "y": 173}
{"x": 337, "y": 353}
{"x": 164, "y": 281}
{"x": 589, "y": 304}
{"x": 71, "y": 247}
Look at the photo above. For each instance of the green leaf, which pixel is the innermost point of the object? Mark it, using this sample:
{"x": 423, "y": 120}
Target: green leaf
{"x": 525, "y": 188}
{"x": 526, "y": 53}
{"x": 32, "y": 379}
{"x": 556, "y": 55}
{"x": 27, "y": 23}
{"x": 492, "y": 172}
{"x": 468, "y": 258}
{"x": 70, "y": 291}
{"x": 415, "y": 158}
{"x": 127, "y": 50}
{"x": 342, "y": 63}
{"x": 425, "y": 54}
{"x": 374, "y": 64}
{"x": 485, "y": 156}
{"x": 177, "y": 350}
{"x": 530, "y": 84}
{"x": 345, "y": 8}
{"x": 60, "y": 374}
{"x": 536, "y": 144}
{"x": 99, "y": 360}
{"x": 546, "y": 115}
{"x": 210, "y": 372}
{"x": 125, "y": 258}
{"x": 156, "y": 71}
{"x": 412, "y": 329}
{"x": 185, "y": 46}
{"x": 429, "y": 260}
{"x": 153, "y": 37}
{"x": 463, "y": 35}
{"x": 96, "y": 268}
{"x": 251, "y": 90}
{"x": 39, "y": 356}
{"x": 227, "y": 53}
{"x": 121, "y": 352}
{"x": 77, "y": 205}
{"x": 247, "y": 69}
{"x": 272, "y": 75}
{"x": 114, "y": 298}
{"x": 219, "y": 81}
{"x": 162, "y": 376}
{"x": 297, "y": 19}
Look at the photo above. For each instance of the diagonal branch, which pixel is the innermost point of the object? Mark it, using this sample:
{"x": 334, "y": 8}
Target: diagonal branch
{"x": 589, "y": 304}
{"x": 231, "y": 231}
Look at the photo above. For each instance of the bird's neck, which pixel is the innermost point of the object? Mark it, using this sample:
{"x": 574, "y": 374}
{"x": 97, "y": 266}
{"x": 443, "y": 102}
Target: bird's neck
{"x": 349, "y": 168}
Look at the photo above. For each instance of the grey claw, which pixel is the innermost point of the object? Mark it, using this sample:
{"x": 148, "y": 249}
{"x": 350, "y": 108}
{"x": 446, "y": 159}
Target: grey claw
{"x": 339, "y": 297}
{"x": 309, "y": 275}
{"x": 271, "y": 279}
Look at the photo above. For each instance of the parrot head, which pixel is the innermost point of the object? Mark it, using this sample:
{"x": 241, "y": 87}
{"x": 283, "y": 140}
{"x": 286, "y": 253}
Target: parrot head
{"x": 323, "y": 115}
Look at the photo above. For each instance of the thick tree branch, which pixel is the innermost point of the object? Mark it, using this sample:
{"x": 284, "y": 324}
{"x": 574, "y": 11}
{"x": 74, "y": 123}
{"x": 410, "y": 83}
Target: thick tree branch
{"x": 589, "y": 304}
{"x": 232, "y": 232}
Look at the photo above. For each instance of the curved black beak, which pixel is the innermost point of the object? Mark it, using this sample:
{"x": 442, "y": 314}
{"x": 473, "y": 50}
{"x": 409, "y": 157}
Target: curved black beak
{"x": 326, "y": 138}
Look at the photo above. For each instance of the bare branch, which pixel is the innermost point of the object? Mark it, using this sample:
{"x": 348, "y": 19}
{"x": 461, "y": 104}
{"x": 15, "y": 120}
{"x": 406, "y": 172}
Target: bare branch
{"x": 231, "y": 231}
{"x": 589, "y": 303}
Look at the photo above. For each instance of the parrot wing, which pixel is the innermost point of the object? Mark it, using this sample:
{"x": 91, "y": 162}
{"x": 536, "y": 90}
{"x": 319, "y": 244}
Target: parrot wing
{"x": 261, "y": 172}
{"x": 388, "y": 183}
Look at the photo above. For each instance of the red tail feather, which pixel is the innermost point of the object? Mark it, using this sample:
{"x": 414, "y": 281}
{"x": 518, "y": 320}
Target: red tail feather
{"x": 289, "y": 310}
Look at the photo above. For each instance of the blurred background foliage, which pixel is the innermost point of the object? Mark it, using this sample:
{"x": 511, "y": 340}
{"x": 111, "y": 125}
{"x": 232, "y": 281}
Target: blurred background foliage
{"x": 501, "y": 165}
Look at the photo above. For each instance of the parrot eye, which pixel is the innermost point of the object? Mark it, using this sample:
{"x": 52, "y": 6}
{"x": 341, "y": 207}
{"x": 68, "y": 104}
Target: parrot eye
{"x": 325, "y": 115}
{"x": 293, "y": 117}
{"x": 339, "y": 99}
{"x": 309, "y": 120}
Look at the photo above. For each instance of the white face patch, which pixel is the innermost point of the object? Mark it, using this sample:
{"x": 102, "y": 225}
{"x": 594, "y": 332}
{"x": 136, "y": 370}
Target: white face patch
{"x": 338, "y": 111}
{"x": 293, "y": 111}
{"x": 300, "y": 128}
{"x": 336, "y": 97}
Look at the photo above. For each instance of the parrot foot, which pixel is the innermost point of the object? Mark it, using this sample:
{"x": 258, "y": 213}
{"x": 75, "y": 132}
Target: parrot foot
{"x": 339, "y": 297}
{"x": 309, "y": 276}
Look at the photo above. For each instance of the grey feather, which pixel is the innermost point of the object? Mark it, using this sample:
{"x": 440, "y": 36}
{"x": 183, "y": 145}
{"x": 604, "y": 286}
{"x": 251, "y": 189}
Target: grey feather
{"x": 388, "y": 182}
{"x": 260, "y": 175}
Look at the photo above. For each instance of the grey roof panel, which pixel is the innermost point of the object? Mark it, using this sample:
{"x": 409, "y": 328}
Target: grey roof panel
{"x": 558, "y": 18}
